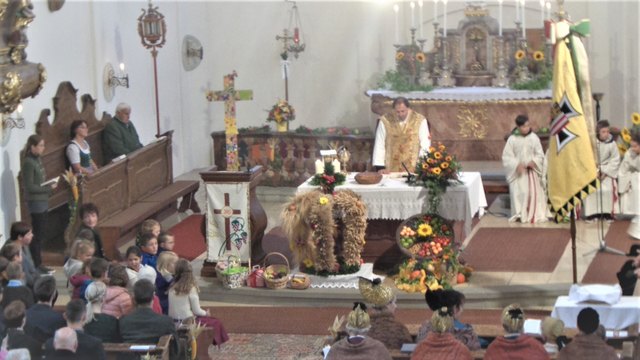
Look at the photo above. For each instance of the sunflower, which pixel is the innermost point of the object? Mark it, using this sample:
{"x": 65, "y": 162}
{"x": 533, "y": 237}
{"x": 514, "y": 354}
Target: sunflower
{"x": 635, "y": 118}
{"x": 441, "y": 147}
{"x": 625, "y": 131}
{"x": 323, "y": 200}
{"x": 425, "y": 230}
{"x": 520, "y": 54}
{"x": 307, "y": 262}
{"x": 448, "y": 158}
{"x": 436, "y": 171}
{"x": 538, "y": 56}
{"x": 626, "y": 137}
{"x": 421, "y": 57}
{"x": 431, "y": 149}
{"x": 444, "y": 165}
{"x": 437, "y": 155}
{"x": 425, "y": 166}
{"x": 622, "y": 149}
{"x": 399, "y": 55}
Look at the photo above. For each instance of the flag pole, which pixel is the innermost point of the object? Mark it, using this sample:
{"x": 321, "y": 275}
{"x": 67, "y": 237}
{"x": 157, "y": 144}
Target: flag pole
{"x": 572, "y": 231}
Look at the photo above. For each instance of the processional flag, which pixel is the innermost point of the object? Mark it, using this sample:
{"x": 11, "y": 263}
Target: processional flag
{"x": 571, "y": 171}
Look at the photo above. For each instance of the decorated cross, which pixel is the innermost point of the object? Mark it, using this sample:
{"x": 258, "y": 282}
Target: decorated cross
{"x": 226, "y": 212}
{"x": 229, "y": 95}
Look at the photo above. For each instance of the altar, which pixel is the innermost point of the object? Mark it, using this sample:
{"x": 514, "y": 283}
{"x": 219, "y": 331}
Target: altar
{"x": 393, "y": 200}
{"x": 471, "y": 121}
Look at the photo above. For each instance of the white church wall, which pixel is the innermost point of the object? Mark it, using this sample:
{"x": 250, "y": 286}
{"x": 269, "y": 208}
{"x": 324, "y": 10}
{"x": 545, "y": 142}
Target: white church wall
{"x": 348, "y": 44}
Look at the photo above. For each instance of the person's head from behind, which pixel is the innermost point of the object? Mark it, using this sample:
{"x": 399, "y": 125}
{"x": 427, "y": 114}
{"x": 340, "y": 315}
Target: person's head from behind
{"x": 118, "y": 276}
{"x": 98, "y": 268}
{"x": 82, "y": 250}
{"x": 12, "y": 252}
{"x": 454, "y": 300}
{"x": 95, "y": 293}
{"x": 150, "y": 226}
{"x": 551, "y": 328}
{"x": 434, "y": 299}
{"x": 184, "y": 279}
{"x": 603, "y": 130}
{"x": 588, "y": 320}
{"x": 143, "y": 292}
{"x": 75, "y": 313}
{"x": 123, "y": 112}
{"x": 167, "y": 262}
{"x": 378, "y": 295}
{"x": 14, "y": 271}
{"x": 80, "y": 128}
{"x": 14, "y": 314}
{"x": 401, "y": 106}
{"x": 358, "y": 321}
{"x": 442, "y": 320}
{"x": 21, "y": 232}
{"x": 89, "y": 214}
{"x": 513, "y": 319}
{"x": 522, "y": 123}
{"x": 44, "y": 290}
{"x": 149, "y": 243}
{"x": 166, "y": 241}
{"x": 65, "y": 338}
{"x": 18, "y": 354}
{"x": 635, "y": 142}
{"x": 133, "y": 256}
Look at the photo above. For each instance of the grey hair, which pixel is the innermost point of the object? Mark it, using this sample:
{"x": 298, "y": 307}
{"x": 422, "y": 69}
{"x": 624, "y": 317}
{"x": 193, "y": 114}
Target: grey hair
{"x": 18, "y": 354}
{"x": 94, "y": 294}
{"x": 122, "y": 106}
{"x": 65, "y": 338}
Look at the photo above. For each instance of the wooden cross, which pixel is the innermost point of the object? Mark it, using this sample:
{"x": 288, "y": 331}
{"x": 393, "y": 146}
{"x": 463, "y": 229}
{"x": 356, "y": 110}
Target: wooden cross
{"x": 229, "y": 95}
{"x": 226, "y": 213}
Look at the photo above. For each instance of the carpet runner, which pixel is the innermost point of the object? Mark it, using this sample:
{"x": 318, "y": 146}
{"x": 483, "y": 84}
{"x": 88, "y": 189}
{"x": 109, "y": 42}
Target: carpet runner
{"x": 189, "y": 234}
{"x": 604, "y": 266}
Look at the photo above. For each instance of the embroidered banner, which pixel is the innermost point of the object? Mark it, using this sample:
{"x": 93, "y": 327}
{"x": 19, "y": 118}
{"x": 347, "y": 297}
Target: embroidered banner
{"x": 228, "y": 227}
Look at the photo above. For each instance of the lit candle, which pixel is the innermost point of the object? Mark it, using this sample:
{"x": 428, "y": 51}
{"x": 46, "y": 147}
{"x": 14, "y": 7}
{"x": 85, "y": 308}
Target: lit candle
{"x": 524, "y": 27}
{"x": 122, "y": 67}
{"x": 421, "y": 19}
{"x": 319, "y": 166}
{"x": 336, "y": 166}
{"x": 548, "y": 6}
{"x": 435, "y": 11}
{"x": 19, "y": 109}
{"x": 396, "y": 8}
{"x": 542, "y": 11}
{"x": 412, "y": 5}
{"x": 444, "y": 14}
{"x": 499, "y": 17}
{"x": 517, "y": 10}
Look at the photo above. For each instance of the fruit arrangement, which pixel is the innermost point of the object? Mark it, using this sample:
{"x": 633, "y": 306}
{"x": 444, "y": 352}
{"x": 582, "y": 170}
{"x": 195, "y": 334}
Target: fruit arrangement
{"x": 425, "y": 236}
{"x": 275, "y": 275}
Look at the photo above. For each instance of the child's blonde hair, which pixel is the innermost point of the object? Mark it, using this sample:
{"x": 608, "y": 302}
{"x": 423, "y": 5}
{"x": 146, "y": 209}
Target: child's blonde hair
{"x": 79, "y": 247}
{"x": 148, "y": 225}
{"x": 184, "y": 279}
{"x": 164, "y": 259}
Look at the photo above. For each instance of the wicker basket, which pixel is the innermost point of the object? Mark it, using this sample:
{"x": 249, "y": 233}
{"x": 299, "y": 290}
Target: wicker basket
{"x": 368, "y": 178}
{"x": 304, "y": 284}
{"x": 412, "y": 219}
{"x": 233, "y": 277}
{"x": 279, "y": 283}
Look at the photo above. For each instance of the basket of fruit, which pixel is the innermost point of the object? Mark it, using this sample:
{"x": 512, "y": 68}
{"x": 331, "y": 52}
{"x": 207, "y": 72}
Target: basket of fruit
{"x": 425, "y": 236}
{"x": 299, "y": 282}
{"x": 276, "y": 276}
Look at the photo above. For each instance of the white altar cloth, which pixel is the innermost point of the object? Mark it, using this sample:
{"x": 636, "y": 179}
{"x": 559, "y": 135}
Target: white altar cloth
{"x": 394, "y": 199}
{"x": 614, "y": 317}
{"x": 467, "y": 94}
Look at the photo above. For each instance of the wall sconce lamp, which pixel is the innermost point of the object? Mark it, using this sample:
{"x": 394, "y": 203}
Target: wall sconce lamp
{"x": 14, "y": 120}
{"x": 111, "y": 80}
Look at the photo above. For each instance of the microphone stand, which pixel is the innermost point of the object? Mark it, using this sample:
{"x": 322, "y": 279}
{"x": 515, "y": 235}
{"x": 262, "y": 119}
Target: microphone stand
{"x": 601, "y": 238}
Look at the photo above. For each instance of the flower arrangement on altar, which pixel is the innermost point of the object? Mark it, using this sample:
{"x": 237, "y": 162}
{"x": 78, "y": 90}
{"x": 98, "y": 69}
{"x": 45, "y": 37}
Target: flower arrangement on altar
{"x": 624, "y": 140}
{"x": 329, "y": 179}
{"x": 436, "y": 171}
{"x": 434, "y": 262}
{"x": 282, "y": 111}
{"x": 312, "y": 222}
{"x": 534, "y": 61}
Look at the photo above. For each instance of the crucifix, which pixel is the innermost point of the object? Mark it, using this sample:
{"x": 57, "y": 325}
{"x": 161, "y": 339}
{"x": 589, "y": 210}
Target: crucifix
{"x": 229, "y": 95}
{"x": 226, "y": 213}
{"x": 284, "y": 55}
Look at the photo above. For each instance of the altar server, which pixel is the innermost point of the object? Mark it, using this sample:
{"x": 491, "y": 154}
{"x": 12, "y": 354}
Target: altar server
{"x": 523, "y": 161}
{"x": 604, "y": 202}
{"x": 401, "y": 137}
{"x": 628, "y": 184}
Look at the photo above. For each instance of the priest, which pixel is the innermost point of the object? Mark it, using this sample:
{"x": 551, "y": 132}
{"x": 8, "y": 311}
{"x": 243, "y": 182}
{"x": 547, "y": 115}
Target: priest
{"x": 402, "y": 135}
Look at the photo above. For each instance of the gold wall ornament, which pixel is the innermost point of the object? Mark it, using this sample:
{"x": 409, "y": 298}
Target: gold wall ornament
{"x": 473, "y": 122}
{"x": 10, "y": 92}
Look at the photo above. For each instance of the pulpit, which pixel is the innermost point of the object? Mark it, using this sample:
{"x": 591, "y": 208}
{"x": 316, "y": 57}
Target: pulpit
{"x": 235, "y": 219}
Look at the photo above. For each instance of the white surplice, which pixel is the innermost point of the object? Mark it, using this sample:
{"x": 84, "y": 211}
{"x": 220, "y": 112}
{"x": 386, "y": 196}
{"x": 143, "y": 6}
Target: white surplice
{"x": 527, "y": 193}
{"x": 605, "y": 200}
{"x": 628, "y": 183}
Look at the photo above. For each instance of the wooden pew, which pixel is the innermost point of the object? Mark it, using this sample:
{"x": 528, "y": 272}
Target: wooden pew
{"x": 161, "y": 349}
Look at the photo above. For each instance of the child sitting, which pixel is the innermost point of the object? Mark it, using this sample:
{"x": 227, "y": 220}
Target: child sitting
{"x": 149, "y": 247}
{"x": 78, "y": 280}
{"x": 16, "y": 289}
{"x": 81, "y": 251}
{"x": 184, "y": 302}
{"x": 89, "y": 214}
{"x": 135, "y": 268}
{"x": 117, "y": 301}
{"x": 166, "y": 268}
{"x": 148, "y": 226}
{"x": 166, "y": 242}
{"x": 98, "y": 269}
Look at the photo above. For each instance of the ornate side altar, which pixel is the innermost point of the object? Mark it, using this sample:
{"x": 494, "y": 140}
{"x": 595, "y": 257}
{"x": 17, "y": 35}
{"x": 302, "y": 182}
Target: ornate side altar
{"x": 471, "y": 121}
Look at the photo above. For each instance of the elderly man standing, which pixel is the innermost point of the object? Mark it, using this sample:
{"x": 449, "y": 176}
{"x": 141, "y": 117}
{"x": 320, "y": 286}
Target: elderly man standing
{"x": 120, "y": 136}
{"x": 401, "y": 137}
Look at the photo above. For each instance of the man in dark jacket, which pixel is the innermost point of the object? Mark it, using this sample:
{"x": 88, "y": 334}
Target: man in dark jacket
{"x": 120, "y": 136}
{"x": 42, "y": 320}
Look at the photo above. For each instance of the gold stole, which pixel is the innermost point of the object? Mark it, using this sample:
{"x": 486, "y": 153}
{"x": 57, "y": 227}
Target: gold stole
{"x": 402, "y": 143}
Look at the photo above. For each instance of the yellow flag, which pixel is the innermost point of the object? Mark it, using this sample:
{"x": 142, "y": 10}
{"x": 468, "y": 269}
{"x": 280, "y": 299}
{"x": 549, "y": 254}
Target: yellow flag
{"x": 571, "y": 171}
